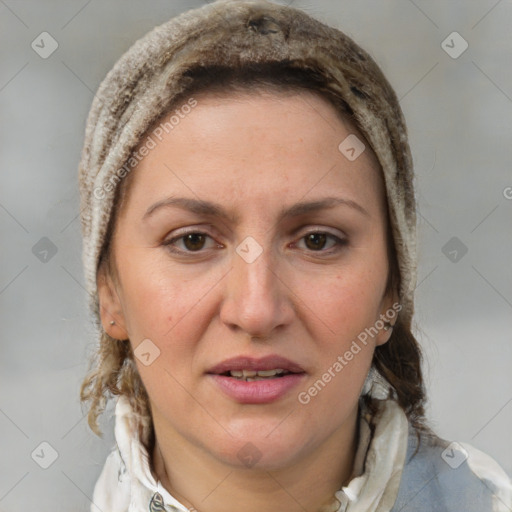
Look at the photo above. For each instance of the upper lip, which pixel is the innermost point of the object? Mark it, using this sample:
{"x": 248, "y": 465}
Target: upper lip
{"x": 270, "y": 362}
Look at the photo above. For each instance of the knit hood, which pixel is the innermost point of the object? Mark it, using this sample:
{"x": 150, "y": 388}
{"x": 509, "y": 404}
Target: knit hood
{"x": 146, "y": 79}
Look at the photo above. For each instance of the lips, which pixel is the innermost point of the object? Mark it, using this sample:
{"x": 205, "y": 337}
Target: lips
{"x": 247, "y": 380}
{"x": 265, "y": 364}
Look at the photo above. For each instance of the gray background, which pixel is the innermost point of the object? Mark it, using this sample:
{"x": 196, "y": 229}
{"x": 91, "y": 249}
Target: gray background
{"x": 459, "y": 114}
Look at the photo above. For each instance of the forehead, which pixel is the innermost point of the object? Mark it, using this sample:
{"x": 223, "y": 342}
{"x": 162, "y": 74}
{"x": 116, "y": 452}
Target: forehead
{"x": 246, "y": 142}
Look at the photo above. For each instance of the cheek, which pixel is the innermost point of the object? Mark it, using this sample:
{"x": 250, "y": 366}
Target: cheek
{"x": 341, "y": 310}
{"x": 162, "y": 307}
{"x": 165, "y": 302}
{"x": 346, "y": 301}
{"x": 343, "y": 348}
{"x": 151, "y": 304}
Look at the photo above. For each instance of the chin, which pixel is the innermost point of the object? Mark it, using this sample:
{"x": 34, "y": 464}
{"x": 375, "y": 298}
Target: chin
{"x": 260, "y": 448}
{"x": 255, "y": 457}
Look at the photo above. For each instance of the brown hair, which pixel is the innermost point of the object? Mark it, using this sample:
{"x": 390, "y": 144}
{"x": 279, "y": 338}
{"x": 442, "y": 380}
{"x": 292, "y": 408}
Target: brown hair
{"x": 115, "y": 372}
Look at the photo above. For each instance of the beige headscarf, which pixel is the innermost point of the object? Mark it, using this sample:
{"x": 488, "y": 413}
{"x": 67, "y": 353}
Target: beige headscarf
{"x": 149, "y": 75}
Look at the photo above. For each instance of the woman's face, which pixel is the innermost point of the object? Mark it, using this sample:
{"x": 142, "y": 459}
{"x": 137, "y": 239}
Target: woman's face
{"x": 220, "y": 270}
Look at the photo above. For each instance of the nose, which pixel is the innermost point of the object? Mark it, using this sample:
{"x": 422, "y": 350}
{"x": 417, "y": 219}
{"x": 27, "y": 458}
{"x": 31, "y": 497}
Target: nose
{"x": 257, "y": 300}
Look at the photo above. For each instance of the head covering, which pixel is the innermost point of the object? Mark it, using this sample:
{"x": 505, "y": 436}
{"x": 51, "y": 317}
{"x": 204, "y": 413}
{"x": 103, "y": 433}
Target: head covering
{"x": 145, "y": 80}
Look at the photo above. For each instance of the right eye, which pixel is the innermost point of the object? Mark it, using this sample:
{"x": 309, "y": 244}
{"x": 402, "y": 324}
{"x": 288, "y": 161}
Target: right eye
{"x": 193, "y": 242}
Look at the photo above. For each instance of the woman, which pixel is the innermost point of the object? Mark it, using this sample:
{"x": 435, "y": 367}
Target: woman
{"x": 249, "y": 246}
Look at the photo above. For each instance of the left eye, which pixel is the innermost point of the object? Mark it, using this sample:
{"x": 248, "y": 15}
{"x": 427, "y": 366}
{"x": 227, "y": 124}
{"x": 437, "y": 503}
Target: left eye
{"x": 314, "y": 239}
{"x": 195, "y": 241}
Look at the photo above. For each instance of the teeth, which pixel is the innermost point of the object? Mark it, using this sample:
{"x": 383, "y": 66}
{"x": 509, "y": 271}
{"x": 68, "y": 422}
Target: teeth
{"x": 269, "y": 373}
{"x": 252, "y": 375}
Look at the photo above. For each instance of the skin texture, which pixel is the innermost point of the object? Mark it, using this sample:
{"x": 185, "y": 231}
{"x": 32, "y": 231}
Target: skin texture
{"x": 253, "y": 154}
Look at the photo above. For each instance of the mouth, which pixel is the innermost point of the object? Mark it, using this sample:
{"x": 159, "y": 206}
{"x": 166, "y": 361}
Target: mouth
{"x": 252, "y": 375}
{"x": 256, "y": 381}
{"x": 245, "y": 367}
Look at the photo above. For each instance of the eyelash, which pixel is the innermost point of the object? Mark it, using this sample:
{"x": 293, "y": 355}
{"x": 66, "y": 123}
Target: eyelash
{"x": 340, "y": 243}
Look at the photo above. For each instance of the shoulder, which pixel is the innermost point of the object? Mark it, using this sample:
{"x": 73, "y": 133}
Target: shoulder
{"x": 444, "y": 476}
{"x": 112, "y": 489}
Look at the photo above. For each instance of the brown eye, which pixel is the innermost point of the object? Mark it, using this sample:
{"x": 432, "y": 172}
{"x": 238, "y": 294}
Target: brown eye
{"x": 191, "y": 242}
{"x": 315, "y": 241}
{"x": 194, "y": 241}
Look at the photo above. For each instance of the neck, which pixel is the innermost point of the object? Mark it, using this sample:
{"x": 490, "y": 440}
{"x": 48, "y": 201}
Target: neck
{"x": 203, "y": 483}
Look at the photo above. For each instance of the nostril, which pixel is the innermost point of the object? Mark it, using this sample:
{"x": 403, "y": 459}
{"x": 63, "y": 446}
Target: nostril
{"x": 264, "y": 25}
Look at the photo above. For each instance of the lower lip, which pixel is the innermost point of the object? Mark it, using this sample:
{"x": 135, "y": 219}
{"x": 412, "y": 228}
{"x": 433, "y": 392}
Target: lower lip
{"x": 258, "y": 391}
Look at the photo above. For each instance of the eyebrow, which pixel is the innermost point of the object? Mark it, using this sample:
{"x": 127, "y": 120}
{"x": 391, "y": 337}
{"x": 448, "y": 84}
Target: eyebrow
{"x": 201, "y": 207}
